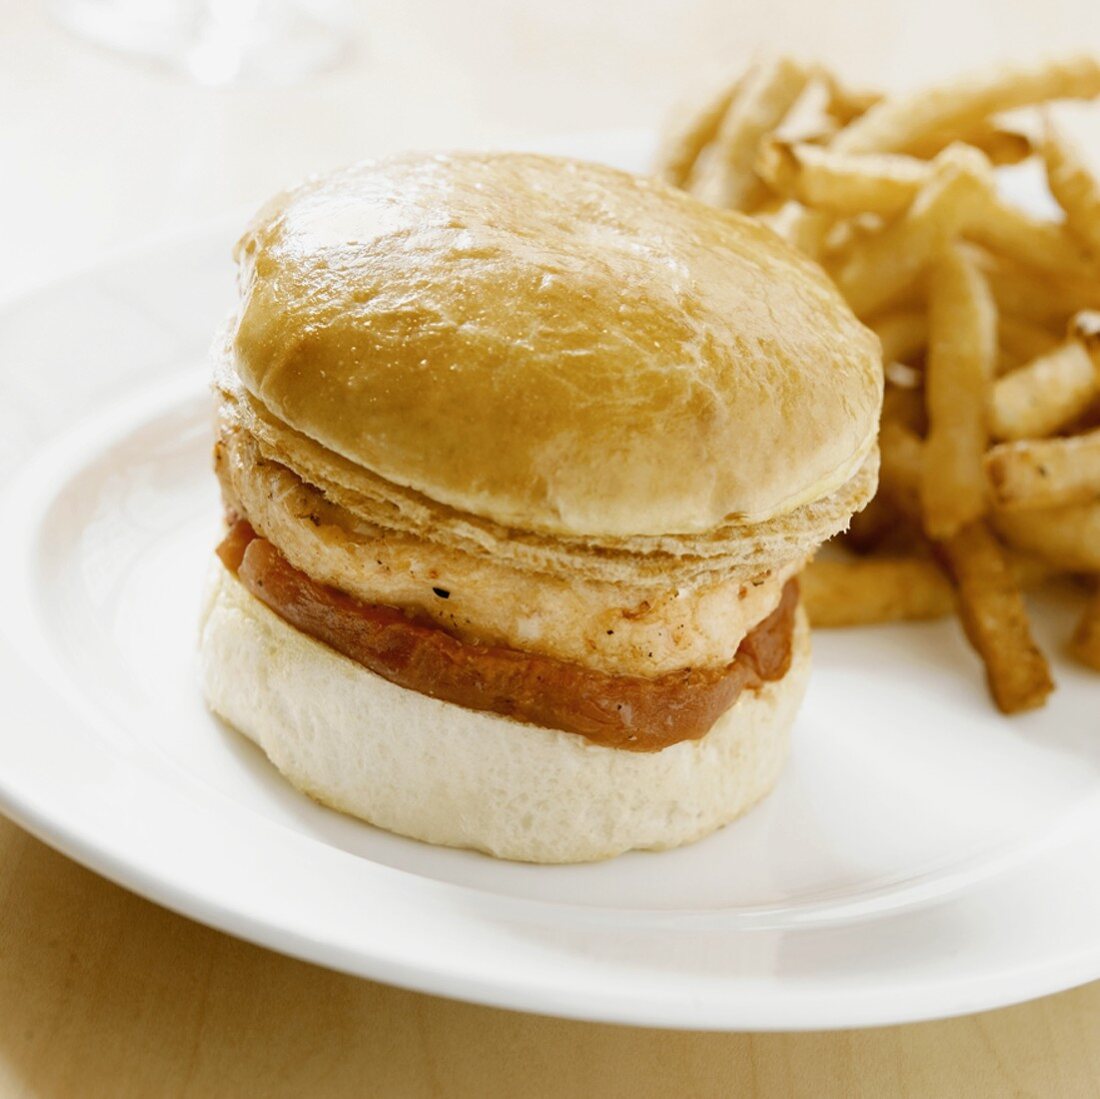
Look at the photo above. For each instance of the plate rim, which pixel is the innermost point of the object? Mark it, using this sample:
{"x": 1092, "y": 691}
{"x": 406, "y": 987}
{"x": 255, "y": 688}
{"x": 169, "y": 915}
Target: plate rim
{"x": 680, "y": 1010}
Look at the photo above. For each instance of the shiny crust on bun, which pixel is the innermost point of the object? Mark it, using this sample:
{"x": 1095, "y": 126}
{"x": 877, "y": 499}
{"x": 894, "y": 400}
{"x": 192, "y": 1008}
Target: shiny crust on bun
{"x": 554, "y": 346}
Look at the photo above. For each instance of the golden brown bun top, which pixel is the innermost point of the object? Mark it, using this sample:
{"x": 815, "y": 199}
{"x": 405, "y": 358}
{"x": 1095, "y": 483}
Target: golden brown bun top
{"x": 556, "y": 346}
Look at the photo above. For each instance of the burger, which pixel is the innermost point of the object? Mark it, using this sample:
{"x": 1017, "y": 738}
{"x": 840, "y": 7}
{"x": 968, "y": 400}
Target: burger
{"x": 520, "y": 459}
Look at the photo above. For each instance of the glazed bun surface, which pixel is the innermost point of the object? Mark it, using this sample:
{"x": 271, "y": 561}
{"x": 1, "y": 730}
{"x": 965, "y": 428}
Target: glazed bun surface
{"x": 554, "y": 346}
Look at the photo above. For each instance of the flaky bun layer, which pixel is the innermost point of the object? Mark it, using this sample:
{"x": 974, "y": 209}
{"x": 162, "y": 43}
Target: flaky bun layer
{"x": 736, "y": 549}
{"x": 622, "y": 628}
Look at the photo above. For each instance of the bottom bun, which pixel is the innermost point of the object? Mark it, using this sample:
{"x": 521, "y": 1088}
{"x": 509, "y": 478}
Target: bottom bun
{"x": 440, "y": 773}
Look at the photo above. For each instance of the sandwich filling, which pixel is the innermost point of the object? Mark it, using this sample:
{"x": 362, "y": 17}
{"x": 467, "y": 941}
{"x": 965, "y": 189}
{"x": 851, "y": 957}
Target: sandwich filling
{"x": 634, "y": 713}
{"x": 616, "y": 617}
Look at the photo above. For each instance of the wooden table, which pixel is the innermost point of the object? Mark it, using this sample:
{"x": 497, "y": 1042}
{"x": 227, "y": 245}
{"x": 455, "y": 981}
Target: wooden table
{"x": 102, "y": 993}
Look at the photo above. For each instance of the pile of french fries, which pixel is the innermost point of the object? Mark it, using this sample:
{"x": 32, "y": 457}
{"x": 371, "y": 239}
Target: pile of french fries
{"x": 989, "y": 318}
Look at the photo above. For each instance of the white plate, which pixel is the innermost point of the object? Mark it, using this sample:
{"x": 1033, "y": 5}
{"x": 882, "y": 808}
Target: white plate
{"x": 893, "y": 875}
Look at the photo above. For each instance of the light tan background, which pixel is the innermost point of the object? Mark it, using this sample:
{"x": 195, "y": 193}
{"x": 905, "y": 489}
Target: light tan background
{"x": 104, "y": 994}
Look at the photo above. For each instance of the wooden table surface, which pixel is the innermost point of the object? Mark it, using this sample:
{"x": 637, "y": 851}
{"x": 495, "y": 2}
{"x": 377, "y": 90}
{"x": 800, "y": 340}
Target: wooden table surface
{"x": 105, "y": 994}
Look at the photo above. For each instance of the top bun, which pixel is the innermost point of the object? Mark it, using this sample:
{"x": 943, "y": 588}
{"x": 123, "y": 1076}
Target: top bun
{"x": 553, "y": 345}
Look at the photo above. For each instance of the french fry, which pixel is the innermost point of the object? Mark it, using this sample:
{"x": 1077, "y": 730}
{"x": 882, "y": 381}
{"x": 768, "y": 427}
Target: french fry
{"x": 1044, "y": 298}
{"x": 903, "y": 333}
{"x": 844, "y": 184}
{"x": 809, "y": 119}
{"x": 847, "y": 104}
{"x": 956, "y": 107}
{"x": 1066, "y": 537}
{"x": 724, "y": 174}
{"x": 1045, "y": 395}
{"x": 993, "y": 615}
{"x": 800, "y": 227}
{"x": 1043, "y": 473}
{"x": 1007, "y": 362}
{"x": 692, "y": 130}
{"x": 902, "y": 376}
{"x": 1039, "y": 244}
{"x": 1074, "y": 187}
{"x": 904, "y": 407}
{"x": 879, "y": 271}
{"x": 1023, "y": 339}
{"x": 1086, "y": 638}
{"x": 885, "y": 184}
{"x": 969, "y": 296}
{"x": 1085, "y": 328}
{"x": 872, "y": 526}
{"x": 849, "y": 234}
{"x": 961, "y": 355}
{"x": 869, "y": 526}
{"x": 864, "y": 591}
{"x": 1028, "y": 570}
{"x": 1003, "y": 143}
{"x": 770, "y": 206}
{"x": 900, "y": 467}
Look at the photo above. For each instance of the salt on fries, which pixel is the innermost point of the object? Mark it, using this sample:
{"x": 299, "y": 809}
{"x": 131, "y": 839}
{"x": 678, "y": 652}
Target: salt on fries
{"x": 989, "y": 319}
